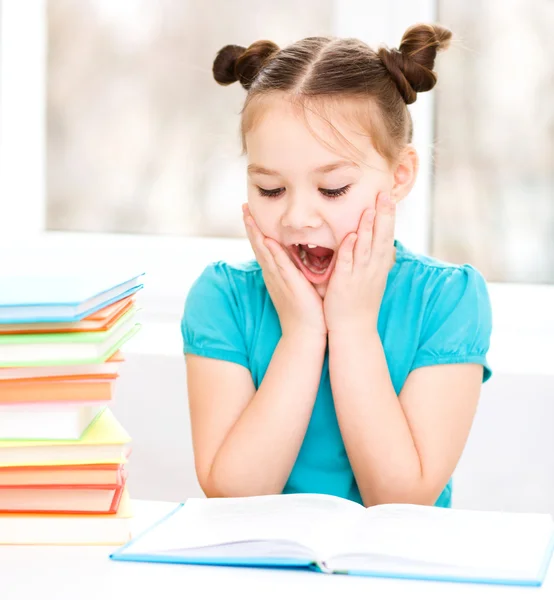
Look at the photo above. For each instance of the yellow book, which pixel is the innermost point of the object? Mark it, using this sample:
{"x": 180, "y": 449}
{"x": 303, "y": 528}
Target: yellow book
{"x": 104, "y": 442}
{"x": 78, "y": 530}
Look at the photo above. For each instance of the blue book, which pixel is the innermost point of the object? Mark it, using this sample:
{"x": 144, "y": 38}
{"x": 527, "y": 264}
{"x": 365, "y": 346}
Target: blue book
{"x": 335, "y": 536}
{"x": 62, "y": 298}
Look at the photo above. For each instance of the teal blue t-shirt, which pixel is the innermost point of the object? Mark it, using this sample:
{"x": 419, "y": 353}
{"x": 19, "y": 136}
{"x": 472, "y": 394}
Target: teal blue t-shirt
{"x": 432, "y": 313}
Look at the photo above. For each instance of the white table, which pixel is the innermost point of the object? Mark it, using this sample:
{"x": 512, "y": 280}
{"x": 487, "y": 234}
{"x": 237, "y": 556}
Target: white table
{"x": 87, "y": 573}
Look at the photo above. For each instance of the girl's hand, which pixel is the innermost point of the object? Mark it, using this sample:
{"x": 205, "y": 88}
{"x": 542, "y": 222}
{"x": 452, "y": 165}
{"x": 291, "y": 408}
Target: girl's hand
{"x": 356, "y": 287}
{"x": 298, "y": 305}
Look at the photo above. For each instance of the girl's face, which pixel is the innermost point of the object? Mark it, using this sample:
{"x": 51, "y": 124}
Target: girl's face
{"x": 302, "y": 192}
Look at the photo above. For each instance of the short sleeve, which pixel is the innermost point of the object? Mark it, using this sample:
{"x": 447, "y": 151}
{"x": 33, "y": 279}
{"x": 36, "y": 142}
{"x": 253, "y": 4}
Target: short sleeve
{"x": 458, "y": 321}
{"x": 211, "y": 322}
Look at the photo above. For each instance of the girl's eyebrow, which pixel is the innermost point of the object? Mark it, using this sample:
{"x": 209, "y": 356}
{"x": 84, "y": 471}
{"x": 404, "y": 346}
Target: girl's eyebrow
{"x": 341, "y": 164}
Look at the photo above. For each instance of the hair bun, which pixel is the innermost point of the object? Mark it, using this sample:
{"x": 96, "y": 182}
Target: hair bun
{"x": 411, "y": 65}
{"x": 237, "y": 63}
{"x": 225, "y": 62}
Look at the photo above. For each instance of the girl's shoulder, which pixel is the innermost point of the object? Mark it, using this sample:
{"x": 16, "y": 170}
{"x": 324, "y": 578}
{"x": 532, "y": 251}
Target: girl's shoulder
{"x": 225, "y": 286}
{"x": 218, "y": 309}
{"x": 232, "y": 270}
{"x": 429, "y": 273}
{"x": 233, "y": 277}
{"x": 447, "y": 297}
{"x": 446, "y": 306}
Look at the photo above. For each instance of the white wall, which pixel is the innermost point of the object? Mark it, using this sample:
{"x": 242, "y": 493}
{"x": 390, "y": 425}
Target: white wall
{"x": 508, "y": 463}
{"x": 151, "y": 404}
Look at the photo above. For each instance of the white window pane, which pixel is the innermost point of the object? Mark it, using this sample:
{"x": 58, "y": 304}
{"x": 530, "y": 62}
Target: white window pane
{"x": 140, "y": 137}
{"x": 494, "y": 192}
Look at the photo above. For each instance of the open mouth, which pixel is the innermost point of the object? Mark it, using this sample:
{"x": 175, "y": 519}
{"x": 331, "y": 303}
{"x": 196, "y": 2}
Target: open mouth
{"x": 315, "y": 262}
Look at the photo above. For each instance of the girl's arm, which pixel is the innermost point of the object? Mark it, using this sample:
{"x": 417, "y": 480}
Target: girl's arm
{"x": 402, "y": 449}
{"x": 246, "y": 442}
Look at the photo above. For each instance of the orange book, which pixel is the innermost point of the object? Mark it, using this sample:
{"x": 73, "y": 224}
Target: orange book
{"x": 51, "y": 475}
{"x": 39, "y": 391}
{"x": 101, "y": 320}
{"x": 59, "y": 379}
{"x": 67, "y": 499}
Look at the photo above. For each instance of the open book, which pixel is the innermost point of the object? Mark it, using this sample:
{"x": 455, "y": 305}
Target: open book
{"x": 333, "y": 535}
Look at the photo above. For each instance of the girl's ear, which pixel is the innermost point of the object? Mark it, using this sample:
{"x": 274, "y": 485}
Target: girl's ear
{"x": 405, "y": 173}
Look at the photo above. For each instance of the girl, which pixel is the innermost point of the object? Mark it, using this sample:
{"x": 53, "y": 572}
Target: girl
{"x": 338, "y": 361}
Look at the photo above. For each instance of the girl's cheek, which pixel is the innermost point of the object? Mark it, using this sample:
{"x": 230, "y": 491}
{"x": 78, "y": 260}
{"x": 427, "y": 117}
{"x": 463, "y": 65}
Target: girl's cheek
{"x": 264, "y": 219}
{"x": 348, "y": 225}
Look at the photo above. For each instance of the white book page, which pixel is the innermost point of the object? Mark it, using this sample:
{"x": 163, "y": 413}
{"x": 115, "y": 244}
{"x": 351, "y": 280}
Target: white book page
{"x": 310, "y": 520}
{"x": 474, "y": 541}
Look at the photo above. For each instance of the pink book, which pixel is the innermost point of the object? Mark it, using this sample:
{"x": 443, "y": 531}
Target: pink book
{"x": 68, "y": 499}
{"x": 53, "y": 475}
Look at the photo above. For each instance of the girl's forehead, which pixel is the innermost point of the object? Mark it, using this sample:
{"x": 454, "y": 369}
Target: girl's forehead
{"x": 325, "y": 130}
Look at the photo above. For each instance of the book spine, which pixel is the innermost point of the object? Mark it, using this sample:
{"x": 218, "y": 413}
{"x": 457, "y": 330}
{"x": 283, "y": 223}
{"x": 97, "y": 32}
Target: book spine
{"x": 322, "y": 567}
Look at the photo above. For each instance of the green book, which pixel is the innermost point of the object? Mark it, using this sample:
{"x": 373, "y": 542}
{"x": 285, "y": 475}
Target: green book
{"x": 49, "y": 349}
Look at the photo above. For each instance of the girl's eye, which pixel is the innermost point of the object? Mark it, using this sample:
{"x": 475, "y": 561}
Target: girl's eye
{"x": 326, "y": 192}
{"x": 335, "y": 193}
{"x": 271, "y": 193}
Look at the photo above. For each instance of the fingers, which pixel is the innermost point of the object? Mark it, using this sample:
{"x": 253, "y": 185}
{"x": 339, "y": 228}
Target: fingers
{"x": 345, "y": 256}
{"x": 383, "y": 228}
{"x": 256, "y": 238}
{"x": 362, "y": 250}
{"x": 269, "y": 253}
{"x": 287, "y": 270}
{"x": 376, "y": 232}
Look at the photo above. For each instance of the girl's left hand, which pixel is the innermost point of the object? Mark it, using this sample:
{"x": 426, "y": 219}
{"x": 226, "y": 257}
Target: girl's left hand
{"x": 355, "y": 291}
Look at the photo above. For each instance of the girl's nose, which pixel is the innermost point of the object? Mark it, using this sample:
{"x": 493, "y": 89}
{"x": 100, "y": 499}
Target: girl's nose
{"x": 300, "y": 214}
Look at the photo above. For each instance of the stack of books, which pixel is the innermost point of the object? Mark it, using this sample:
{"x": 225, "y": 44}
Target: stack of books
{"x": 62, "y": 451}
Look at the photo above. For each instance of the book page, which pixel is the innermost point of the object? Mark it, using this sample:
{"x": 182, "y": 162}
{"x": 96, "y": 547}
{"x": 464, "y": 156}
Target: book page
{"x": 468, "y": 540}
{"x": 309, "y": 520}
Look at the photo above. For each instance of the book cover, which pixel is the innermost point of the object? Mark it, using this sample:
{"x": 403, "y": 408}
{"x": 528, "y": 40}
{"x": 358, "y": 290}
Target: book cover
{"x": 39, "y": 422}
{"x": 88, "y": 354}
{"x": 100, "y": 474}
{"x": 109, "y": 368}
{"x": 68, "y": 529}
{"x": 337, "y": 536}
{"x": 81, "y": 337}
{"x": 61, "y": 499}
{"x": 62, "y": 390}
{"x": 67, "y": 289}
{"x": 101, "y": 320}
{"x": 103, "y": 442}
{"x": 58, "y": 313}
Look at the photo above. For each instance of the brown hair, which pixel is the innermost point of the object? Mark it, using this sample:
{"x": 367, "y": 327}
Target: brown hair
{"x": 323, "y": 68}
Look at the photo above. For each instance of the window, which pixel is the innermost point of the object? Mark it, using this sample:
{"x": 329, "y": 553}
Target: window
{"x": 140, "y": 137}
{"x": 494, "y": 181}
{"x": 22, "y": 128}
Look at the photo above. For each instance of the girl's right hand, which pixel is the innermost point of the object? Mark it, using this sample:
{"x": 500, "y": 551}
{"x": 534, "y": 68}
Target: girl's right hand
{"x": 298, "y": 305}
